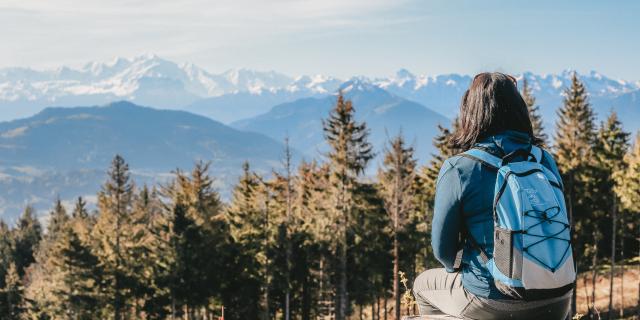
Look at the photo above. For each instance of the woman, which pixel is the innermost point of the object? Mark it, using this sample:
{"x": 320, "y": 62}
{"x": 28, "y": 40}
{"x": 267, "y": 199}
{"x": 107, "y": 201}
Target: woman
{"x": 494, "y": 117}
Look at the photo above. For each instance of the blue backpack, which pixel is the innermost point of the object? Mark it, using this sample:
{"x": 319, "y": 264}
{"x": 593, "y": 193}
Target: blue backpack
{"x": 532, "y": 256}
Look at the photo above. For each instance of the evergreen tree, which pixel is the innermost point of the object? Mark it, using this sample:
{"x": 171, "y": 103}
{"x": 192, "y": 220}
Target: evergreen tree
{"x": 79, "y": 276}
{"x": 350, "y": 152}
{"x": 197, "y": 229}
{"x": 44, "y": 277}
{"x": 6, "y": 259}
{"x": 575, "y": 135}
{"x": 6, "y": 251}
{"x": 534, "y": 112}
{"x": 248, "y": 221}
{"x": 610, "y": 149}
{"x": 287, "y": 228}
{"x": 628, "y": 191}
{"x": 26, "y": 238}
{"x": 396, "y": 179}
{"x": 81, "y": 222}
{"x": 12, "y": 293}
{"x": 58, "y": 219}
{"x": 310, "y": 208}
{"x": 110, "y": 231}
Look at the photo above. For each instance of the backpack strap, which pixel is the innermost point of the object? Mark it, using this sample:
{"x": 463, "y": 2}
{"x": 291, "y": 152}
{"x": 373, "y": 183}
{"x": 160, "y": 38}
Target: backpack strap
{"x": 483, "y": 157}
{"x": 537, "y": 153}
{"x": 483, "y": 254}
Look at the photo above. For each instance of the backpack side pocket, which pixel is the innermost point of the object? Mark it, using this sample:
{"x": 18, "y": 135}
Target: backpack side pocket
{"x": 503, "y": 251}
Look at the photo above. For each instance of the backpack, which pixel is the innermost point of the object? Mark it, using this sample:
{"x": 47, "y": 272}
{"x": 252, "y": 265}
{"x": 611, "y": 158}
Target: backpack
{"x": 532, "y": 255}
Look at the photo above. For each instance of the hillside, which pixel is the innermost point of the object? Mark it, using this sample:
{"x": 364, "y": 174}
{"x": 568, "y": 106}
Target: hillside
{"x": 385, "y": 114}
{"x": 66, "y": 151}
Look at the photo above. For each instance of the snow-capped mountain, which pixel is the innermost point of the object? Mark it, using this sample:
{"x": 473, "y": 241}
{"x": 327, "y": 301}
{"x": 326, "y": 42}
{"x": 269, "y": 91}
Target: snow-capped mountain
{"x": 238, "y": 94}
{"x": 443, "y": 93}
{"x": 147, "y": 80}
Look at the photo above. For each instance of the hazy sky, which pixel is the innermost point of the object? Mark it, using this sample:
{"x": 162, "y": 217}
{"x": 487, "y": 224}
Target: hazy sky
{"x": 336, "y": 37}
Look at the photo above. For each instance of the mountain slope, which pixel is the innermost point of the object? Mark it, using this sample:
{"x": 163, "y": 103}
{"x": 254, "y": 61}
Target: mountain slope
{"x": 385, "y": 114}
{"x": 66, "y": 151}
{"x": 235, "y": 106}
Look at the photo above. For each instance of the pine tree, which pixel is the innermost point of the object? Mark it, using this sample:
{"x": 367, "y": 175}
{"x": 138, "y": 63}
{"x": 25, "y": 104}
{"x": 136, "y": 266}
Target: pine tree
{"x": 44, "y": 276}
{"x": 6, "y": 259}
{"x": 140, "y": 243}
{"x": 534, "y": 112}
{"x": 574, "y": 140}
{"x": 610, "y": 149}
{"x": 26, "y": 238}
{"x": 77, "y": 275}
{"x": 81, "y": 222}
{"x": 112, "y": 226}
{"x": 310, "y": 208}
{"x": 628, "y": 191}
{"x": 58, "y": 219}
{"x": 396, "y": 179}
{"x": 197, "y": 228}
{"x": 6, "y": 251}
{"x": 281, "y": 251}
{"x": 350, "y": 152}
{"x": 12, "y": 293}
{"x": 248, "y": 219}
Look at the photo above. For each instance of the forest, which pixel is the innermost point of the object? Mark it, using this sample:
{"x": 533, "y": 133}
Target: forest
{"x": 311, "y": 240}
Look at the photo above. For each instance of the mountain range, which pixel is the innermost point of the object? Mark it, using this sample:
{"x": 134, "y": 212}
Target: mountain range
{"x": 65, "y": 152}
{"x": 241, "y": 93}
{"x": 385, "y": 114}
{"x": 227, "y": 118}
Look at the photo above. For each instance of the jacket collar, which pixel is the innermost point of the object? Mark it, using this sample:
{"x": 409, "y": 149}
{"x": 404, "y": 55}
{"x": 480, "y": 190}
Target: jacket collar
{"x": 506, "y": 141}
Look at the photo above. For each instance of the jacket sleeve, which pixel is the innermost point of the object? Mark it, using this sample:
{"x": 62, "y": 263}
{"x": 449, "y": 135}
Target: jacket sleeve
{"x": 447, "y": 216}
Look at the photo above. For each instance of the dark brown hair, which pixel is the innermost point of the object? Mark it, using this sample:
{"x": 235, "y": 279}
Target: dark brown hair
{"x": 491, "y": 105}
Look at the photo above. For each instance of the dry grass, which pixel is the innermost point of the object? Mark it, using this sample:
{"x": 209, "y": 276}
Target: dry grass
{"x": 631, "y": 282}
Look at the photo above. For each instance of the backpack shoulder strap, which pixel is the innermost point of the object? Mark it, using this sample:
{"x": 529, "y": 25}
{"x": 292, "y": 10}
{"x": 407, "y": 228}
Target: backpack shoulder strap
{"x": 538, "y": 153}
{"x": 484, "y": 157}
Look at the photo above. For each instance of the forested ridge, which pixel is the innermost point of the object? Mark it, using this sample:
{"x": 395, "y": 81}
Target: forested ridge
{"x": 311, "y": 240}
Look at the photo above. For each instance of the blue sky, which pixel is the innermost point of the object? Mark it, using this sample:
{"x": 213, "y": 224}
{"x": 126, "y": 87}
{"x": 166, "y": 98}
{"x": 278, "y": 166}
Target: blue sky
{"x": 335, "y": 37}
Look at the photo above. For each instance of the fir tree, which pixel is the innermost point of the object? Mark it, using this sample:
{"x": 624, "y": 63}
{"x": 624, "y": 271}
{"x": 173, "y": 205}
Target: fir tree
{"x": 26, "y": 237}
{"x": 248, "y": 216}
{"x": 78, "y": 276}
{"x": 12, "y": 293}
{"x": 350, "y": 152}
{"x": 574, "y": 140}
{"x": 81, "y": 222}
{"x": 115, "y": 203}
{"x": 45, "y": 279}
{"x": 534, "y": 112}
{"x": 396, "y": 179}
{"x": 58, "y": 219}
{"x": 628, "y": 191}
{"x": 6, "y": 259}
{"x": 610, "y": 149}
{"x": 6, "y": 251}
{"x": 196, "y": 229}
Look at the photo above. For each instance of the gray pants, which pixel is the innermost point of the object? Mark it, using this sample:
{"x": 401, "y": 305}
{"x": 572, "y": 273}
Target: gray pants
{"x": 440, "y": 294}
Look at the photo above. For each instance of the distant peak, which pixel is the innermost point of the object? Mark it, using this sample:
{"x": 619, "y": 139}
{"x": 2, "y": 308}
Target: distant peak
{"x": 359, "y": 84}
{"x": 121, "y": 104}
{"x": 404, "y": 73}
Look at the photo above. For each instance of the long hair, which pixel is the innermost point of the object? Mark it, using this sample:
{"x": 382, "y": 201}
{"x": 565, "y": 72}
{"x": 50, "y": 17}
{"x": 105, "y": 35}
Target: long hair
{"x": 491, "y": 105}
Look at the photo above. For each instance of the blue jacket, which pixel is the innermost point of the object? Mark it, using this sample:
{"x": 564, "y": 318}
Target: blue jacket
{"x": 464, "y": 200}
